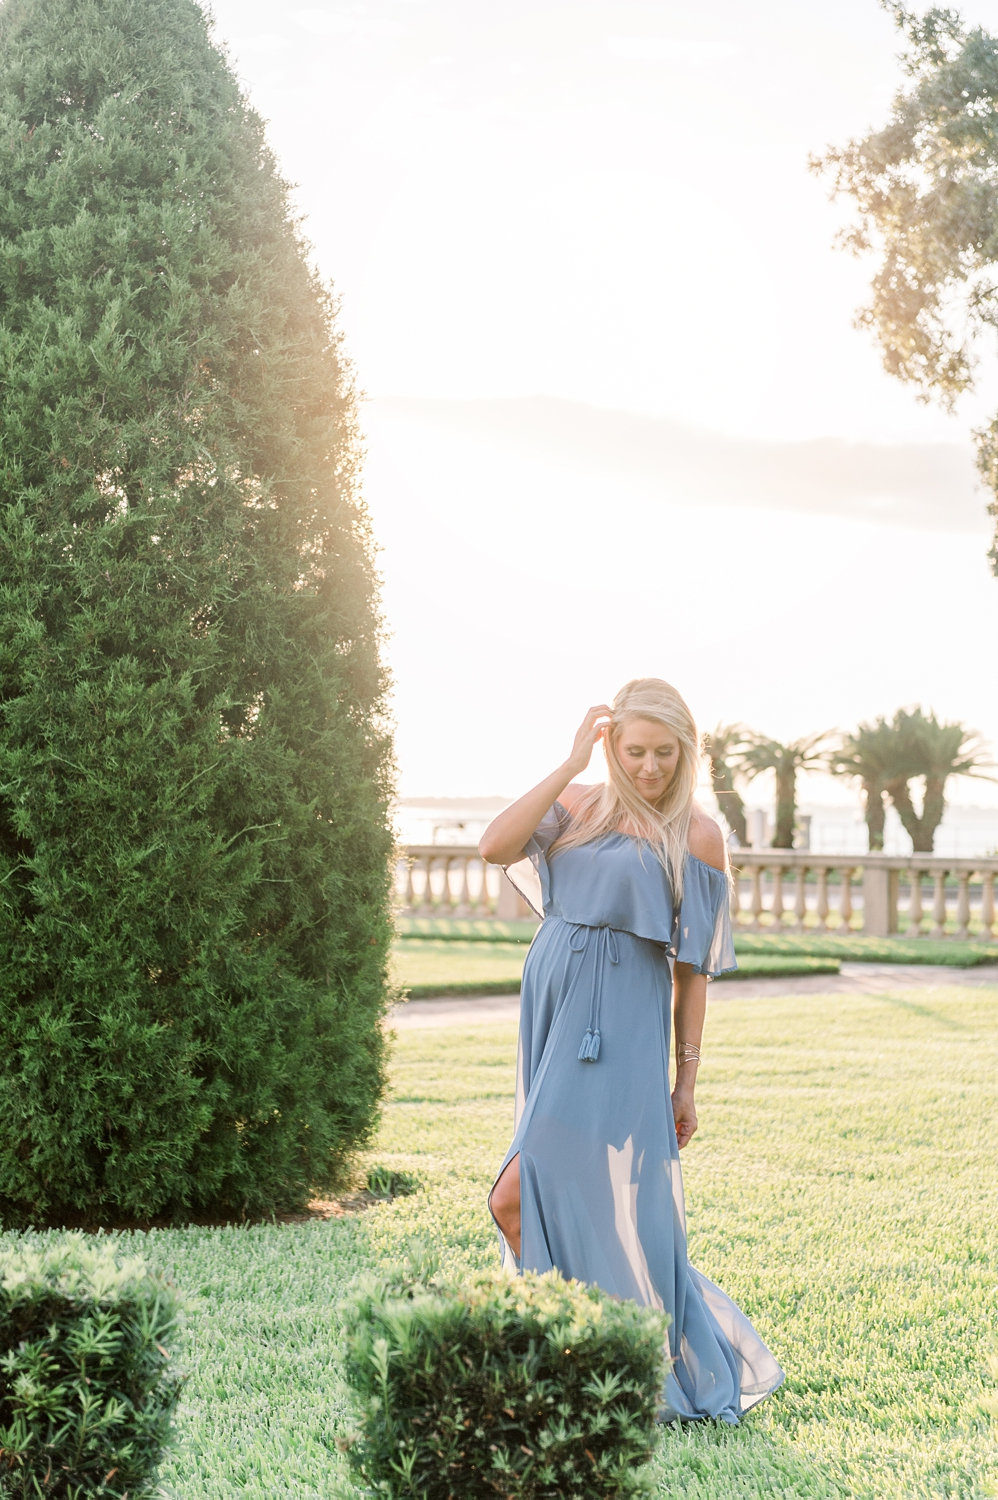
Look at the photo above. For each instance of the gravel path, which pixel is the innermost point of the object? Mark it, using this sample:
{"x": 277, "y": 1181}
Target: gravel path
{"x": 869, "y": 979}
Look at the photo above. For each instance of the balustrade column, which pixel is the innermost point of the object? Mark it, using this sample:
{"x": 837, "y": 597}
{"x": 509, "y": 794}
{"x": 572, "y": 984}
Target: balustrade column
{"x": 441, "y": 904}
{"x": 509, "y": 904}
{"x": 939, "y": 904}
{"x": 438, "y": 903}
{"x": 757, "y": 907}
{"x": 880, "y": 901}
{"x": 424, "y": 907}
{"x": 735, "y": 897}
{"x": 478, "y": 903}
{"x": 453, "y": 881}
{"x": 988, "y": 904}
{"x": 845, "y": 905}
{"x": 963, "y": 904}
{"x": 777, "y": 874}
{"x": 487, "y": 902}
{"x": 915, "y": 905}
{"x": 463, "y": 907}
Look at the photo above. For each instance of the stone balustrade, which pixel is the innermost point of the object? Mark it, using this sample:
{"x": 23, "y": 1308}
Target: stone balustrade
{"x": 793, "y": 889}
{"x": 452, "y": 880}
{"x": 915, "y": 895}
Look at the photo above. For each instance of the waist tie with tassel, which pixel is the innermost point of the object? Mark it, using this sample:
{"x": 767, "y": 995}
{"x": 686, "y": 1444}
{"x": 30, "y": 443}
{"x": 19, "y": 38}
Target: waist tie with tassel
{"x": 603, "y": 941}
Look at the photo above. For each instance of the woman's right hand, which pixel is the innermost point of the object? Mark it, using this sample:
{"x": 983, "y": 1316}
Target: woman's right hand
{"x": 587, "y": 736}
{"x": 505, "y": 839}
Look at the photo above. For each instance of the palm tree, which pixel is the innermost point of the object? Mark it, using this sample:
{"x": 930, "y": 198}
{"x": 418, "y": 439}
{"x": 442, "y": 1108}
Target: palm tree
{"x": 934, "y": 752}
{"x": 722, "y": 744}
{"x": 761, "y": 754}
{"x": 870, "y": 756}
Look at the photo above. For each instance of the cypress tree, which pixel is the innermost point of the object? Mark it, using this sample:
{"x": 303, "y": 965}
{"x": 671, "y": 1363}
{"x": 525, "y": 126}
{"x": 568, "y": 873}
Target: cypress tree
{"x": 194, "y": 764}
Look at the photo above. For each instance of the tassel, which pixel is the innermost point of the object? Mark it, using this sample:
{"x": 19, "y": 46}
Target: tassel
{"x": 589, "y": 1051}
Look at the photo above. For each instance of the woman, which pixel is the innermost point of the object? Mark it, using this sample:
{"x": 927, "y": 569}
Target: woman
{"x": 632, "y": 873}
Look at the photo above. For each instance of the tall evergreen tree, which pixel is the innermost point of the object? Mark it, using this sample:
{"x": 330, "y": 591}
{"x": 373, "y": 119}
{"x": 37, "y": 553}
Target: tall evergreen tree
{"x": 194, "y": 766}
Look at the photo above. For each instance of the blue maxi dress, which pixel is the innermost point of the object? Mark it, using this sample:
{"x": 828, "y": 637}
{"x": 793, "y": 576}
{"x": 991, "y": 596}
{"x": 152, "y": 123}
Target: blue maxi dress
{"x": 601, "y": 1192}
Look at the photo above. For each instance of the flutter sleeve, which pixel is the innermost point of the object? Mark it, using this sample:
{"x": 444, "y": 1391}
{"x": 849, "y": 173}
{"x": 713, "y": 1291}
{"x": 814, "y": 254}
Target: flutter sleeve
{"x": 530, "y": 875}
{"x": 703, "y": 937}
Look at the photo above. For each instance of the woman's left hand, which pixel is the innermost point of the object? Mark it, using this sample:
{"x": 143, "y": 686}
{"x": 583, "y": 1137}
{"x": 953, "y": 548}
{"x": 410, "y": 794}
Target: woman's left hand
{"x": 685, "y": 1115}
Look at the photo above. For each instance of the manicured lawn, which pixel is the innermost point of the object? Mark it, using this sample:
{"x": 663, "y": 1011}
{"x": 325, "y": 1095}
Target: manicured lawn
{"x": 466, "y": 929}
{"x": 844, "y": 946}
{"x": 841, "y": 1188}
{"x": 437, "y": 966}
{"x": 853, "y": 947}
{"x": 444, "y": 966}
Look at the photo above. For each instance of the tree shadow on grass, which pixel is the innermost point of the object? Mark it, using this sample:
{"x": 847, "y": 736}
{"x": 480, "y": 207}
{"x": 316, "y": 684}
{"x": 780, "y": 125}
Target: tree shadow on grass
{"x": 925, "y": 1012}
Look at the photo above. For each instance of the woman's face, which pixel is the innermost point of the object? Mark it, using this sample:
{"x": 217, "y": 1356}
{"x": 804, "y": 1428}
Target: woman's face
{"x": 648, "y": 754}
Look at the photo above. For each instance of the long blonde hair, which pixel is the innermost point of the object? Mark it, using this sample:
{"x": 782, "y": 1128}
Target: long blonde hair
{"x": 601, "y": 809}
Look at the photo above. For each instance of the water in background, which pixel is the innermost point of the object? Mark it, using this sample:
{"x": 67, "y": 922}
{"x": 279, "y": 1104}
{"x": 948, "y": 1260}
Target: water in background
{"x": 445, "y": 820}
{"x": 965, "y": 832}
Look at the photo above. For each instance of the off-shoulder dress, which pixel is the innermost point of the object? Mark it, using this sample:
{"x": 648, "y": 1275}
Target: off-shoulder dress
{"x": 601, "y": 1192}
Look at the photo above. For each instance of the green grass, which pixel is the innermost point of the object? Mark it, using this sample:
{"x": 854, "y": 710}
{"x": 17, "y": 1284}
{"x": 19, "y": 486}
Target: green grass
{"x": 432, "y": 966}
{"x": 846, "y": 946}
{"x": 466, "y": 929}
{"x": 853, "y": 947}
{"x": 841, "y": 1188}
{"x": 443, "y": 966}
{"x": 779, "y": 966}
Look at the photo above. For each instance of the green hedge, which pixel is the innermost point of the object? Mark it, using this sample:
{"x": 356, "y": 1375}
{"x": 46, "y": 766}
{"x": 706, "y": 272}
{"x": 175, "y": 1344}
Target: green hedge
{"x": 856, "y": 947}
{"x": 194, "y": 758}
{"x": 88, "y": 1379}
{"x": 515, "y": 1387}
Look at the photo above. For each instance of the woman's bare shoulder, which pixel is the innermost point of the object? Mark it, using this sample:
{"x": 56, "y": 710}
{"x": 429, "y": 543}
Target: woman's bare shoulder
{"x": 706, "y": 841}
{"x": 571, "y": 794}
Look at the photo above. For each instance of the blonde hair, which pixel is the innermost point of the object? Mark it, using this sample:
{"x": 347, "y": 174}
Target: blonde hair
{"x": 601, "y": 809}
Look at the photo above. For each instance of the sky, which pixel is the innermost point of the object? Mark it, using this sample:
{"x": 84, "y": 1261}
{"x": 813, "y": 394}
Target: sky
{"x": 618, "y": 418}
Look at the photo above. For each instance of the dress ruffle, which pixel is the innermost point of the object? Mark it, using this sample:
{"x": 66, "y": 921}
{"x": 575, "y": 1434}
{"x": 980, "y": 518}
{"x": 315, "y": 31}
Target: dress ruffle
{"x": 601, "y": 885}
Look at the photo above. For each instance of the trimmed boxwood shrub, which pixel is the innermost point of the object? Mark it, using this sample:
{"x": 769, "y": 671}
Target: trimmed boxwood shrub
{"x": 515, "y": 1387}
{"x": 88, "y": 1375}
{"x": 194, "y": 765}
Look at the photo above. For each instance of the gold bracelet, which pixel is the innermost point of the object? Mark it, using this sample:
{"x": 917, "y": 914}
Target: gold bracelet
{"x": 687, "y": 1052}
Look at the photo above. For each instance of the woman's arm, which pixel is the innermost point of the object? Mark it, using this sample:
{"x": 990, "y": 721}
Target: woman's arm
{"x": 503, "y": 841}
{"x": 690, "y": 1002}
{"x": 689, "y": 1007}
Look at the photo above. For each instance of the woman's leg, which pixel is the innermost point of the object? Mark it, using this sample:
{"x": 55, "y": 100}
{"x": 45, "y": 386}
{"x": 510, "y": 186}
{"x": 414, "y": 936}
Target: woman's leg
{"x": 504, "y": 1202}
